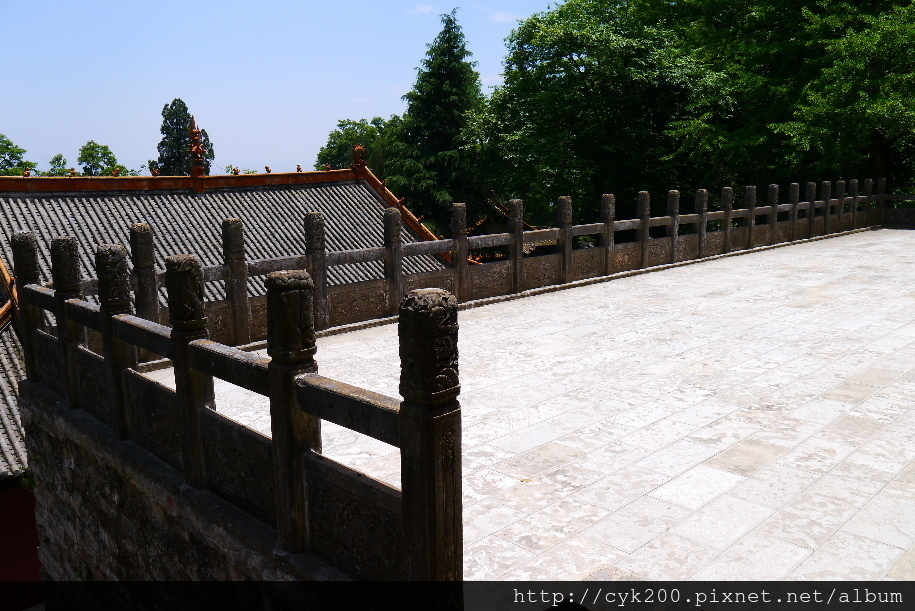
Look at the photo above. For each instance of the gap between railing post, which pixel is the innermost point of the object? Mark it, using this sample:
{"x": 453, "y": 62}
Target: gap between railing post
{"x": 853, "y": 200}
{"x": 826, "y": 194}
{"x": 811, "y": 195}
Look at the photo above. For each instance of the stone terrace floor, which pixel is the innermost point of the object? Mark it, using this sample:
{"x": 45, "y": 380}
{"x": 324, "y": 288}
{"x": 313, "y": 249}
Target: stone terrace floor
{"x": 749, "y": 417}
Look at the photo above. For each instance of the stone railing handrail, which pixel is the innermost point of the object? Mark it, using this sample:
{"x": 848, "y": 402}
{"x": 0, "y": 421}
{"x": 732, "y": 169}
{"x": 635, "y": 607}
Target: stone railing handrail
{"x": 416, "y": 539}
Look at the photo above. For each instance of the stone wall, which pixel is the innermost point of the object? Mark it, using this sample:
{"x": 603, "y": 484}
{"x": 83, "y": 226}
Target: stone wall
{"x": 109, "y": 510}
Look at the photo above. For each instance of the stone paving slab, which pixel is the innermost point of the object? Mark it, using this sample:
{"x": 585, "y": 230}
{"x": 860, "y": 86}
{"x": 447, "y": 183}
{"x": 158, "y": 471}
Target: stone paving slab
{"x": 743, "y": 418}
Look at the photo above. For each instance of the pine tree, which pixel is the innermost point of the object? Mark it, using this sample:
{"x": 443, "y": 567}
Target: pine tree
{"x": 175, "y": 146}
{"x": 429, "y": 168}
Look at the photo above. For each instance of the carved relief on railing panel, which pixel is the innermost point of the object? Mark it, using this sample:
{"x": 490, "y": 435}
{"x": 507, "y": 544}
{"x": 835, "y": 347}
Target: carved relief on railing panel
{"x": 687, "y": 247}
{"x": 49, "y": 361}
{"x": 362, "y": 301}
{"x": 587, "y": 263}
{"x": 239, "y": 465}
{"x": 258, "y": 307}
{"x": 354, "y": 532}
{"x": 542, "y": 271}
{"x": 217, "y": 313}
{"x": 739, "y": 238}
{"x": 489, "y": 279}
{"x": 658, "y": 252}
{"x": 93, "y": 397}
{"x": 431, "y": 280}
{"x": 154, "y": 417}
{"x": 714, "y": 243}
{"x": 626, "y": 257}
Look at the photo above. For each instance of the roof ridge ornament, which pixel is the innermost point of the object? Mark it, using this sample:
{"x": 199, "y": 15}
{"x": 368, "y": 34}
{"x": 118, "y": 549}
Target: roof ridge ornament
{"x": 359, "y": 157}
{"x": 197, "y": 151}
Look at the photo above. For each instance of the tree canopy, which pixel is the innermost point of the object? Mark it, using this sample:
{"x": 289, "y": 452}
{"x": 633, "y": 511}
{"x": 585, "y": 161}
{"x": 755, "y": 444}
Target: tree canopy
{"x": 11, "y": 158}
{"x": 98, "y": 160}
{"x": 175, "y": 146}
{"x": 375, "y": 135}
{"x": 426, "y": 163}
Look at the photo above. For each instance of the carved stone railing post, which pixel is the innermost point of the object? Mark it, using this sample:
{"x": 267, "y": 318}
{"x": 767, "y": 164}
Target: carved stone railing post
{"x": 840, "y": 196}
{"x": 772, "y": 202}
{"x": 673, "y": 211}
{"x": 868, "y": 193}
{"x": 233, "y": 256}
{"x": 811, "y": 194}
{"x": 564, "y": 244}
{"x": 66, "y": 276}
{"x": 291, "y": 346}
{"x": 880, "y": 197}
{"x": 316, "y": 248}
{"x": 853, "y": 201}
{"x": 430, "y": 417}
{"x": 114, "y": 298}
{"x": 794, "y": 196}
{"x": 749, "y": 202}
{"x": 727, "y": 205}
{"x": 459, "y": 254}
{"x": 194, "y": 389}
{"x": 393, "y": 259}
{"x": 28, "y": 271}
{"x": 826, "y": 194}
{"x": 643, "y": 210}
{"x": 146, "y": 298}
{"x": 607, "y": 234}
{"x": 516, "y": 229}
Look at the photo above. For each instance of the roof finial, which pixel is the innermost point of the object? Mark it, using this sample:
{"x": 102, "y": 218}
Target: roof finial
{"x": 197, "y": 151}
{"x": 358, "y": 156}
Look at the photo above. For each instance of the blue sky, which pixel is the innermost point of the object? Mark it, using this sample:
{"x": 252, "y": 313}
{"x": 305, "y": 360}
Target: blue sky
{"x": 268, "y": 81}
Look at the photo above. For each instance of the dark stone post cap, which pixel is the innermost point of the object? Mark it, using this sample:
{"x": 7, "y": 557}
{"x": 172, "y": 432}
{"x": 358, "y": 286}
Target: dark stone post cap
{"x": 233, "y": 239}
{"x": 673, "y": 202}
{"x": 643, "y": 203}
{"x": 290, "y": 317}
{"x": 607, "y": 205}
{"x": 428, "y": 331}
{"x": 392, "y": 219}
{"x": 515, "y": 215}
{"x": 141, "y": 245}
{"x": 314, "y": 230}
{"x": 25, "y": 257}
{"x": 65, "y": 264}
{"x": 459, "y": 220}
{"x": 564, "y": 210}
{"x": 184, "y": 286}
{"x": 701, "y": 200}
{"x": 113, "y": 276}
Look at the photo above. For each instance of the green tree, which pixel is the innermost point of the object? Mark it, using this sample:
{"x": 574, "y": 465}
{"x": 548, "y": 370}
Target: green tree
{"x": 58, "y": 166}
{"x": 175, "y": 146}
{"x": 376, "y": 135}
{"x": 589, "y": 90}
{"x": 11, "y": 161}
{"x": 98, "y": 160}
{"x": 427, "y": 164}
{"x": 808, "y": 88}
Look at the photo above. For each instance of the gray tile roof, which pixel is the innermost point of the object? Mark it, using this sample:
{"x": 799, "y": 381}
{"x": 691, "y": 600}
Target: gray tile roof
{"x": 186, "y": 222}
{"x": 12, "y": 447}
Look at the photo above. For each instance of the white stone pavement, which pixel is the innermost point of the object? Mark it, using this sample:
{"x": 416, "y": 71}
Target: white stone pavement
{"x": 746, "y": 418}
